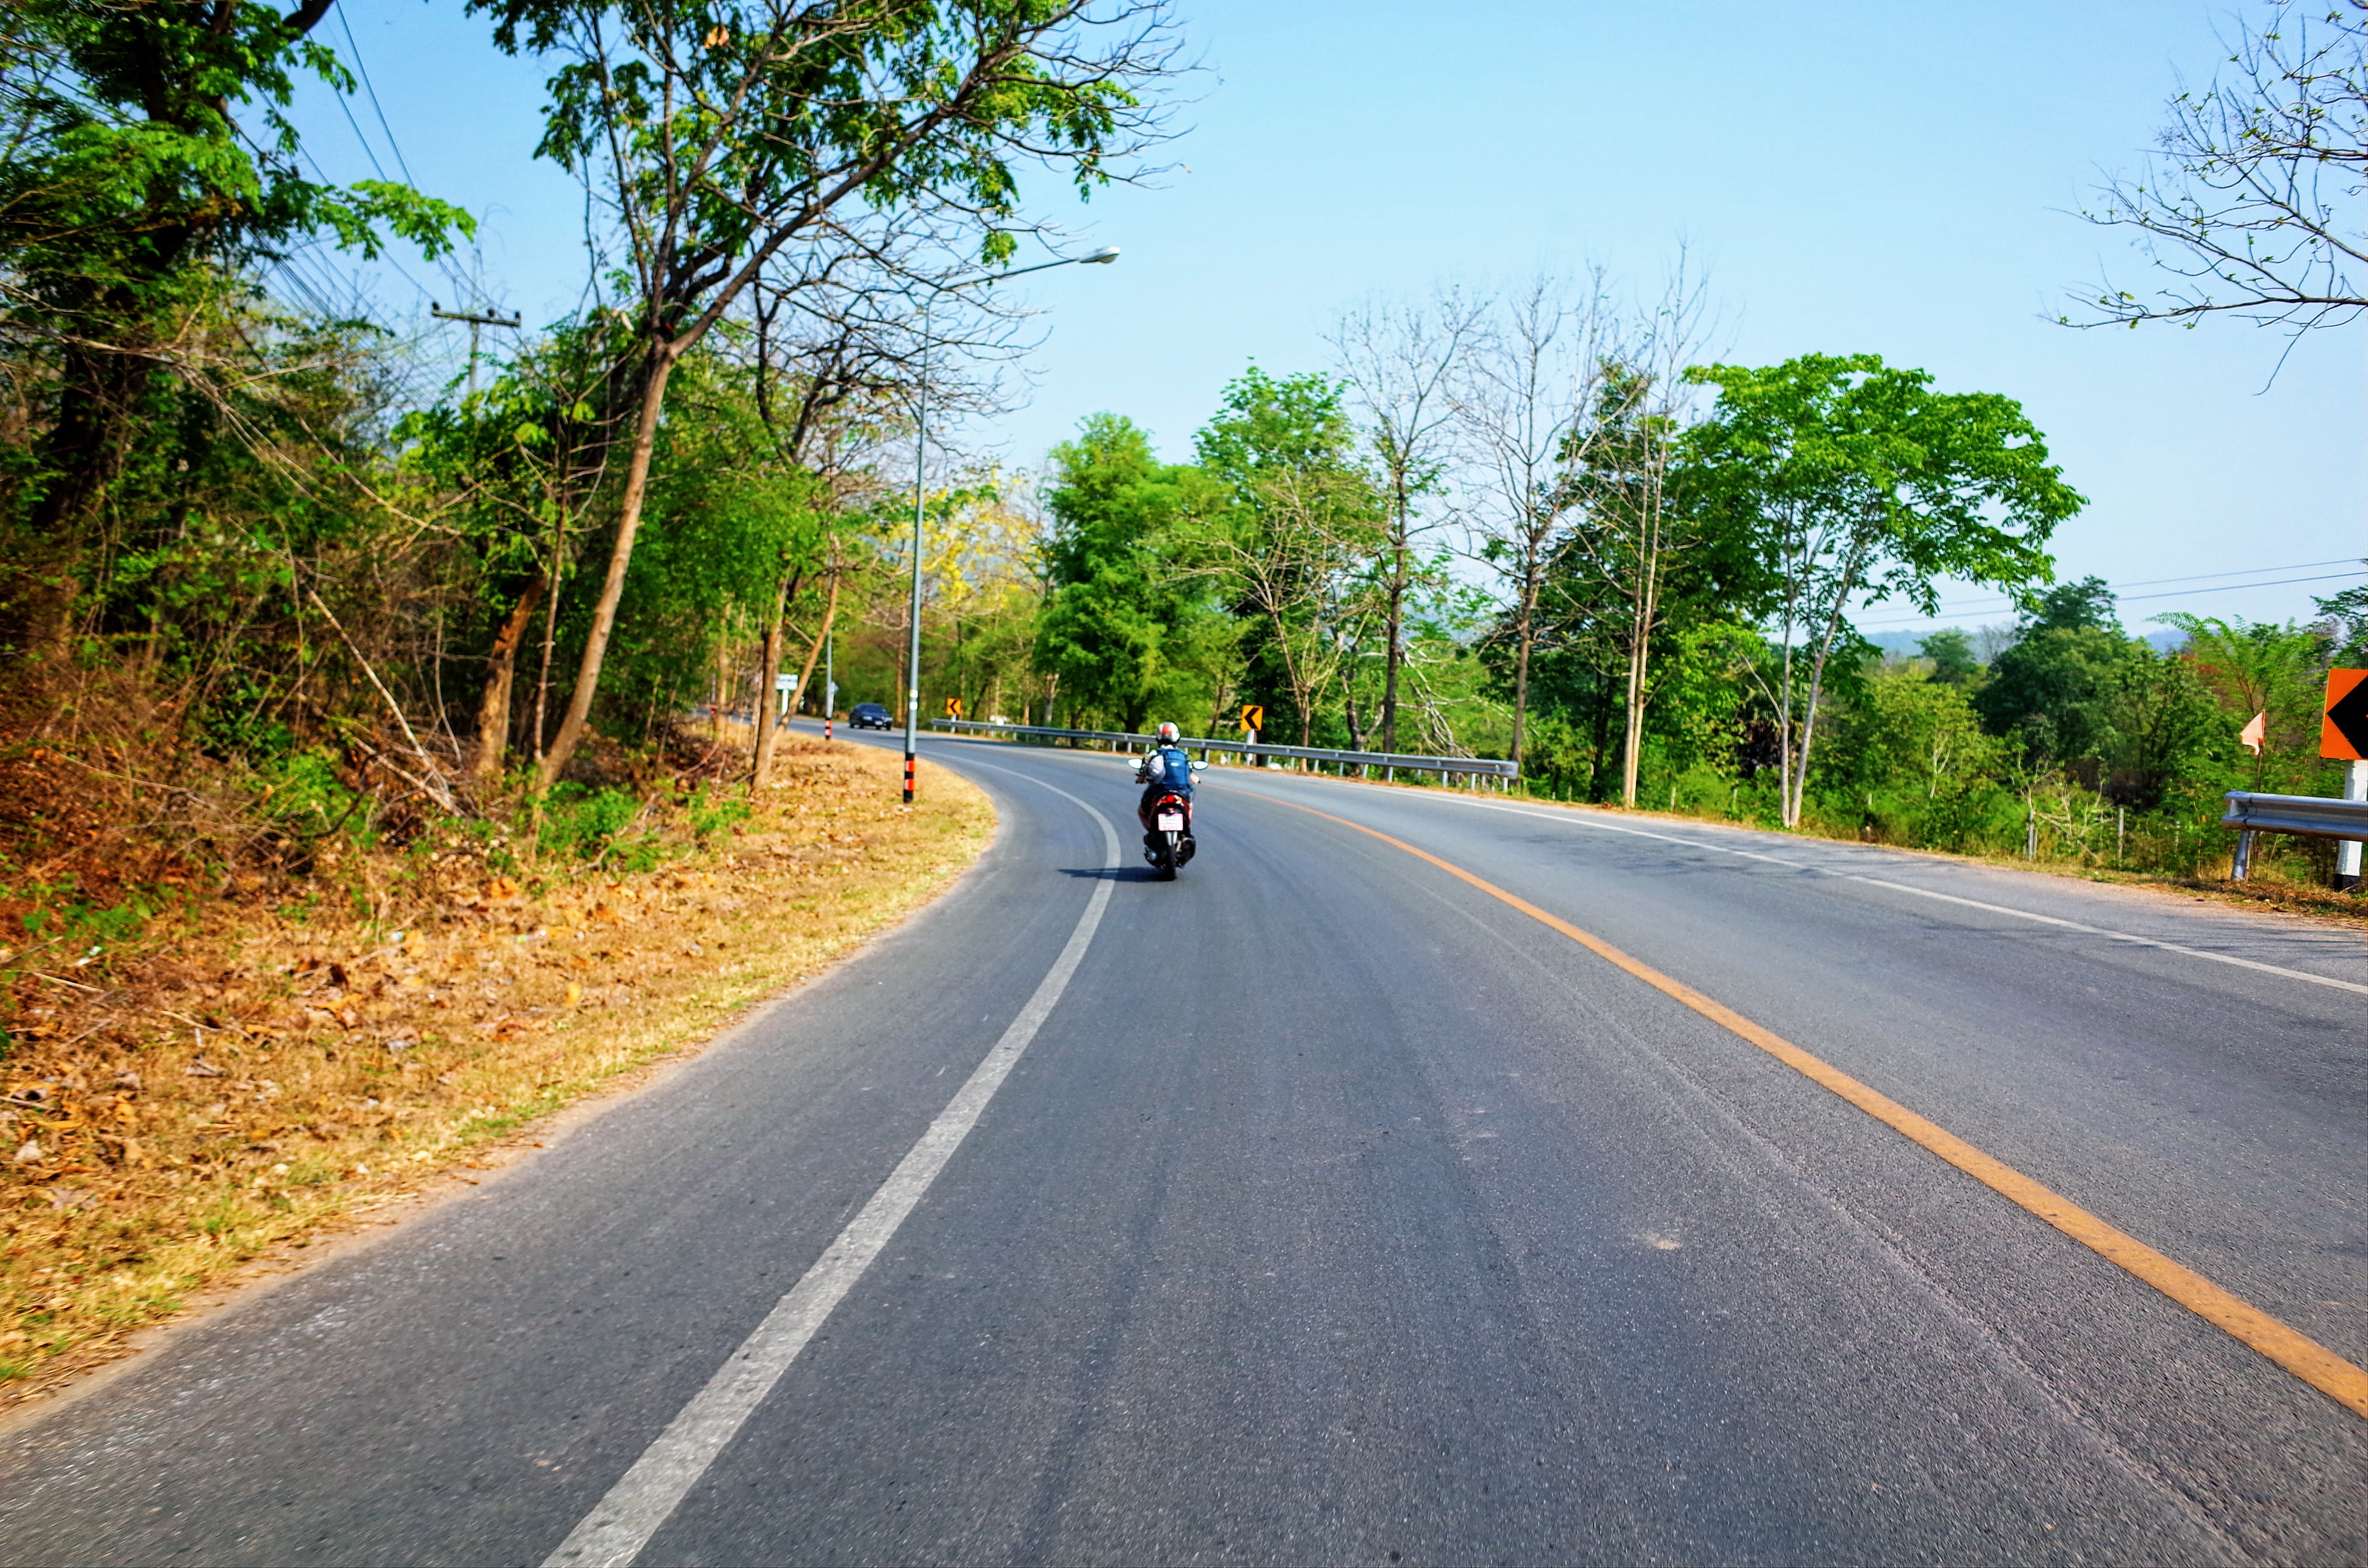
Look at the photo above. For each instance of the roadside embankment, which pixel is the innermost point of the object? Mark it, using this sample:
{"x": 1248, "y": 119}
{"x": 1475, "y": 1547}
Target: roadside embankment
{"x": 273, "y": 1072}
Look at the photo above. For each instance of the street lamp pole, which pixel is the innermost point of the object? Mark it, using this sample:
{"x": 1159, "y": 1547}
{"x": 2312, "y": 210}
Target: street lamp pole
{"x": 920, "y": 494}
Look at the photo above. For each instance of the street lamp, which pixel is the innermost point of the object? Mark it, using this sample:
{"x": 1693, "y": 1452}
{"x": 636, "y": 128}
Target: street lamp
{"x": 1105, "y": 255}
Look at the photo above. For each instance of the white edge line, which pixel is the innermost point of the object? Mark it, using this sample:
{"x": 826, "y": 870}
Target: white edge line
{"x": 622, "y": 1524}
{"x": 1578, "y": 819}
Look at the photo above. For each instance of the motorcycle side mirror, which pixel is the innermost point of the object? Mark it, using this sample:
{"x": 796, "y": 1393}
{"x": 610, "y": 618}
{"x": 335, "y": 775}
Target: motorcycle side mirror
{"x": 1199, "y": 768}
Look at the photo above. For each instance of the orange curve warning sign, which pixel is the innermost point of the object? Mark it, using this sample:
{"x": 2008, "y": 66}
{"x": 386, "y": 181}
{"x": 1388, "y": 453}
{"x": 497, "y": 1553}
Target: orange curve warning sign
{"x": 2343, "y": 731}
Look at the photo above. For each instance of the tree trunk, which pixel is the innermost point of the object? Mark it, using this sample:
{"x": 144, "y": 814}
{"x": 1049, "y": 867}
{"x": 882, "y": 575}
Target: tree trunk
{"x": 805, "y": 671}
{"x": 1390, "y": 663}
{"x": 723, "y": 685}
{"x": 1522, "y": 637}
{"x": 1603, "y": 686}
{"x": 1784, "y": 729}
{"x": 1808, "y": 733}
{"x": 1632, "y": 742}
{"x": 612, "y": 588}
{"x": 1640, "y": 644}
{"x": 501, "y": 671}
{"x": 1817, "y": 685}
{"x": 82, "y": 456}
{"x": 552, "y": 575}
{"x": 770, "y": 734}
{"x": 767, "y": 676}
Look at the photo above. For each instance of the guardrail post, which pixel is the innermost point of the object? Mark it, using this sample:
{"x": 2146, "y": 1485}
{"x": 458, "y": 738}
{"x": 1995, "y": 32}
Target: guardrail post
{"x": 2347, "y": 852}
{"x": 2243, "y": 862}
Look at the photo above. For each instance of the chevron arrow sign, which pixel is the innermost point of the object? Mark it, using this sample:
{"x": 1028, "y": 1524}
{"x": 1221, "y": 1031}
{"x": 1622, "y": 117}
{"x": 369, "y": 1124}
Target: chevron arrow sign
{"x": 2344, "y": 731}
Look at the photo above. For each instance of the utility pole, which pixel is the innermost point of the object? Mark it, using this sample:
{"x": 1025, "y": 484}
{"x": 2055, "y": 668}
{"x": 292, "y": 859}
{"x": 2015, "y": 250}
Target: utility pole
{"x": 476, "y": 323}
{"x": 912, "y": 672}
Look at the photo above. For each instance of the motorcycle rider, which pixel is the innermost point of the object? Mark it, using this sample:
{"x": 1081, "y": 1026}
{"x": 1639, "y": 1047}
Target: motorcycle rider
{"x": 1165, "y": 770}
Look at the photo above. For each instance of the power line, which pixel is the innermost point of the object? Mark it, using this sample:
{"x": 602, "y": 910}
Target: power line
{"x": 2202, "y": 576}
{"x": 2183, "y": 593}
{"x": 368, "y": 151}
{"x": 361, "y": 68}
{"x": 392, "y": 145}
{"x": 2002, "y": 603}
{"x": 1980, "y": 606}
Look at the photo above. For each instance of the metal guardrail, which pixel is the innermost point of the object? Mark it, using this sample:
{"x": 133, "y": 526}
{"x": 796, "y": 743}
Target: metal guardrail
{"x": 2313, "y": 816}
{"x": 1388, "y": 761}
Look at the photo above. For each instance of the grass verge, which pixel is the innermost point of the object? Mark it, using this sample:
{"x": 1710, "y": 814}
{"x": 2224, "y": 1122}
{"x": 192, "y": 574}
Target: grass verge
{"x": 275, "y": 1072}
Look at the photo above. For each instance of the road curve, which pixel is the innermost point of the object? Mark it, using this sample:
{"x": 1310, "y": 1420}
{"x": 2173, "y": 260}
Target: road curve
{"x": 1336, "y": 1209}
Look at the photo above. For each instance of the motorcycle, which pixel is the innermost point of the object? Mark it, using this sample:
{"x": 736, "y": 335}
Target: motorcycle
{"x": 1167, "y": 842}
{"x": 1170, "y": 844}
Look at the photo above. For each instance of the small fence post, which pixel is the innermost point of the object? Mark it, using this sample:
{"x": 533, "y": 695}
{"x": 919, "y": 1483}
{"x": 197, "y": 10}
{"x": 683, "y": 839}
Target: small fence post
{"x": 2346, "y": 851}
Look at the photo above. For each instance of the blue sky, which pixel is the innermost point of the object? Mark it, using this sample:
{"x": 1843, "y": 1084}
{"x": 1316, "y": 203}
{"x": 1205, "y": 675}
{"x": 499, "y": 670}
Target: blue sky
{"x": 1896, "y": 178}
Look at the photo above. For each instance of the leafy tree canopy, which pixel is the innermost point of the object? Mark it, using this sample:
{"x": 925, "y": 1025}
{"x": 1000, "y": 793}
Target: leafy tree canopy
{"x": 134, "y": 160}
{"x": 1877, "y": 484}
{"x": 1951, "y": 653}
{"x": 1125, "y": 628}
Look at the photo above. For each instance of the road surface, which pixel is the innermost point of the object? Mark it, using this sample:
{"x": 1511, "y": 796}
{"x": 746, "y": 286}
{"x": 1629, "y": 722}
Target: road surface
{"x": 1324, "y": 1205}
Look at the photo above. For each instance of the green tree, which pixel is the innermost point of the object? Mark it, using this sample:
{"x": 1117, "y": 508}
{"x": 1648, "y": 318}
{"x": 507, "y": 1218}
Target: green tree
{"x": 513, "y": 471}
{"x": 1402, "y": 362}
{"x": 1632, "y": 527}
{"x": 148, "y": 159}
{"x": 1854, "y": 482}
{"x": 2345, "y": 616}
{"x": 2086, "y": 700}
{"x": 1301, "y": 518}
{"x": 720, "y": 134}
{"x": 1125, "y": 628}
{"x": 2264, "y": 667}
{"x": 1914, "y": 730}
{"x": 742, "y": 529}
{"x": 1954, "y": 661}
{"x": 2060, "y": 686}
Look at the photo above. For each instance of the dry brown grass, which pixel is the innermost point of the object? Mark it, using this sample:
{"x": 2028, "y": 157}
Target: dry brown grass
{"x": 268, "y": 1076}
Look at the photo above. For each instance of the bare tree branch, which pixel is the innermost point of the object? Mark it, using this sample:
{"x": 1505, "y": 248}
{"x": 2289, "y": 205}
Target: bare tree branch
{"x": 2252, "y": 198}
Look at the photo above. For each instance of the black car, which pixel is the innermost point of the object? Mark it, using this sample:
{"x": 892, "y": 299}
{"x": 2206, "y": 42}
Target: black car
{"x": 868, "y": 716}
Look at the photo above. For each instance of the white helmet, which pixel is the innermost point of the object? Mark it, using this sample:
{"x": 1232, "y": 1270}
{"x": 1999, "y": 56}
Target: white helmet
{"x": 1169, "y": 734}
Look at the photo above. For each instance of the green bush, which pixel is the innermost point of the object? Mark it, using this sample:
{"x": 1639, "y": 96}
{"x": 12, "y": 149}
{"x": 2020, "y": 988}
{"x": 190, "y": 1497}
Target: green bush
{"x": 593, "y": 824}
{"x": 710, "y": 813}
{"x": 302, "y": 798}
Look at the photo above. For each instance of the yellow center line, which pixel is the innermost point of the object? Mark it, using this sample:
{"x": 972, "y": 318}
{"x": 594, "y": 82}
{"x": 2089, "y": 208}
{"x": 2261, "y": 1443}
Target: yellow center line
{"x": 2307, "y": 1358}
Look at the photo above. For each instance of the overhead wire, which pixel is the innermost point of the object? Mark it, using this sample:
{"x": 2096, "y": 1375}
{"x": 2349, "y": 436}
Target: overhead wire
{"x": 2251, "y": 571}
{"x": 346, "y": 283}
{"x": 469, "y": 290}
{"x": 363, "y": 70}
{"x": 2282, "y": 582}
{"x": 2219, "y": 582}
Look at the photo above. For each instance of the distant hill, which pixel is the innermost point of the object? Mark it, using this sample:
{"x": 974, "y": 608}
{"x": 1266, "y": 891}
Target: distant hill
{"x": 1904, "y": 644}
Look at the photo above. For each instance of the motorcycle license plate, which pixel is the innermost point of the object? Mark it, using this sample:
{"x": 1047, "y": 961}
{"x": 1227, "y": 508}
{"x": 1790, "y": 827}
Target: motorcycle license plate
{"x": 1171, "y": 821}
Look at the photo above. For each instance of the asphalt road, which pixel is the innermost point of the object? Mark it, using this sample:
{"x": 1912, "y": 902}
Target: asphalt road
{"x": 1338, "y": 1211}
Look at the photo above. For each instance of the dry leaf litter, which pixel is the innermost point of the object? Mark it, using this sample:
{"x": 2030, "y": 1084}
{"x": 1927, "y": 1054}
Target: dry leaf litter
{"x": 162, "y": 1124}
